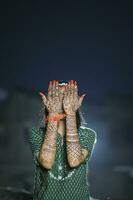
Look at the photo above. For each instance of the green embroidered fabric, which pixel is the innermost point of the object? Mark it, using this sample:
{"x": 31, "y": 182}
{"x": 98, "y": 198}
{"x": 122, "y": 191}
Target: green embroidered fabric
{"x": 62, "y": 182}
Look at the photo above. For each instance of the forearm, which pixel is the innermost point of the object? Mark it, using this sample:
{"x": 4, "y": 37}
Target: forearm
{"x": 48, "y": 149}
{"x": 74, "y": 151}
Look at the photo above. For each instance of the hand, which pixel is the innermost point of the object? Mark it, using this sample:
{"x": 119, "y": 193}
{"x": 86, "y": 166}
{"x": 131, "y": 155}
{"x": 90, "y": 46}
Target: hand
{"x": 72, "y": 101}
{"x": 53, "y": 101}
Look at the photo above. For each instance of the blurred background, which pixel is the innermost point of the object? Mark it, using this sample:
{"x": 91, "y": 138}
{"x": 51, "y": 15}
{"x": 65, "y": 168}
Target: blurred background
{"x": 90, "y": 42}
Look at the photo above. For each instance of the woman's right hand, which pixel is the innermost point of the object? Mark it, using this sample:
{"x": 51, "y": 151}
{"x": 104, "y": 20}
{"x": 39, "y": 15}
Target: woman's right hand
{"x": 53, "y": 101}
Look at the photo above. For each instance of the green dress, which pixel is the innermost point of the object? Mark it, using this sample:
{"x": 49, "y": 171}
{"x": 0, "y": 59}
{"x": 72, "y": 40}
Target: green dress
{"x": 62, "y": 182}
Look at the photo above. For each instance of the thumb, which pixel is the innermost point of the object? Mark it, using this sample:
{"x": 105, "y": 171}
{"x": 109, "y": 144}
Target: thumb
{"x": 81, "y": 99}
{"x": 43, "y": 97}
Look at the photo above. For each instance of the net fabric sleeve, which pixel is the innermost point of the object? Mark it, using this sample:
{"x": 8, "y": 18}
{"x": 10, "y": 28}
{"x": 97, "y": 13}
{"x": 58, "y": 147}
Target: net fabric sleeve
{"x": 88, "y": 139}
{"x": 35, "y": 138}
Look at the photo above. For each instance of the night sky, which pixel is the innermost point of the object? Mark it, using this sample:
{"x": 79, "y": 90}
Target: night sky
{"x": 88, "y": 41}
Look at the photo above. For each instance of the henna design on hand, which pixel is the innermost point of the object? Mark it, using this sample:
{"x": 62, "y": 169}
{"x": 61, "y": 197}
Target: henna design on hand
{"x": 72, "y": 101}
{"x": 53, "y": 101}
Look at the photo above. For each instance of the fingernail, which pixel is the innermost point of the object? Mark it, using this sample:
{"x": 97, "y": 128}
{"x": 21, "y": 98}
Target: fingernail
{"x": 40, "y": 93}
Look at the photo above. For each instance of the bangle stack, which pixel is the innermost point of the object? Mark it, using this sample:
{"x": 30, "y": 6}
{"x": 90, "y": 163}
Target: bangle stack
{"x": 55, "y": 118}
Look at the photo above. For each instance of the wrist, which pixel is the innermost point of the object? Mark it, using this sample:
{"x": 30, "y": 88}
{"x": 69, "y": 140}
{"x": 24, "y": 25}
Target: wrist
{"x": 50, "y": 114}
{"x": 55, "y": 113}
{"x": 70, "y": 114}
{"x": 54, "y": 117}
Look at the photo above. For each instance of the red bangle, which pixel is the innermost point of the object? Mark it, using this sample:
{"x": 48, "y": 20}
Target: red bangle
{"x": 55, "y": 118}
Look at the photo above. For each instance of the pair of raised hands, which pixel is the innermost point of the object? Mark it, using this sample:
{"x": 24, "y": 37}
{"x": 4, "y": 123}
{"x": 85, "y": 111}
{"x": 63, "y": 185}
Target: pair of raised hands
{"x": 57, "y": 101}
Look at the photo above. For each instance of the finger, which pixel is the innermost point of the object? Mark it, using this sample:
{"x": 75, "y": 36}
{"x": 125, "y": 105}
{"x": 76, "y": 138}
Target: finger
{"x": 69, "y": 89}
{"x": 56, "y": 89}
{"x": 43, "y": 97}
{"x": 60, "y": 95}
{"x": 50, "y": 89}
{"x": 81, "y": 99}
{"x": 40, "y": 93}
{"x": 66, "y": 91}
{"x": 75, "y": 89}
{"x": 53, "y": 88}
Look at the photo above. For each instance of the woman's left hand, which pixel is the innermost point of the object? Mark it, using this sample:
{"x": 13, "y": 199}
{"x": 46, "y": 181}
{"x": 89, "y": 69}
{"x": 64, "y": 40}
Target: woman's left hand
{"x": 71, "y": 100}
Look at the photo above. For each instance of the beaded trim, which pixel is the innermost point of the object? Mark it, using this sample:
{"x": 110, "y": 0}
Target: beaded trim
{"x": 59, "y": 178}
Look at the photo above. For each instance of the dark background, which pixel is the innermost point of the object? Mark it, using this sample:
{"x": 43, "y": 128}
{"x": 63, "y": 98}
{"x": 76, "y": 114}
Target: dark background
{"x": 90, "y": 42}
